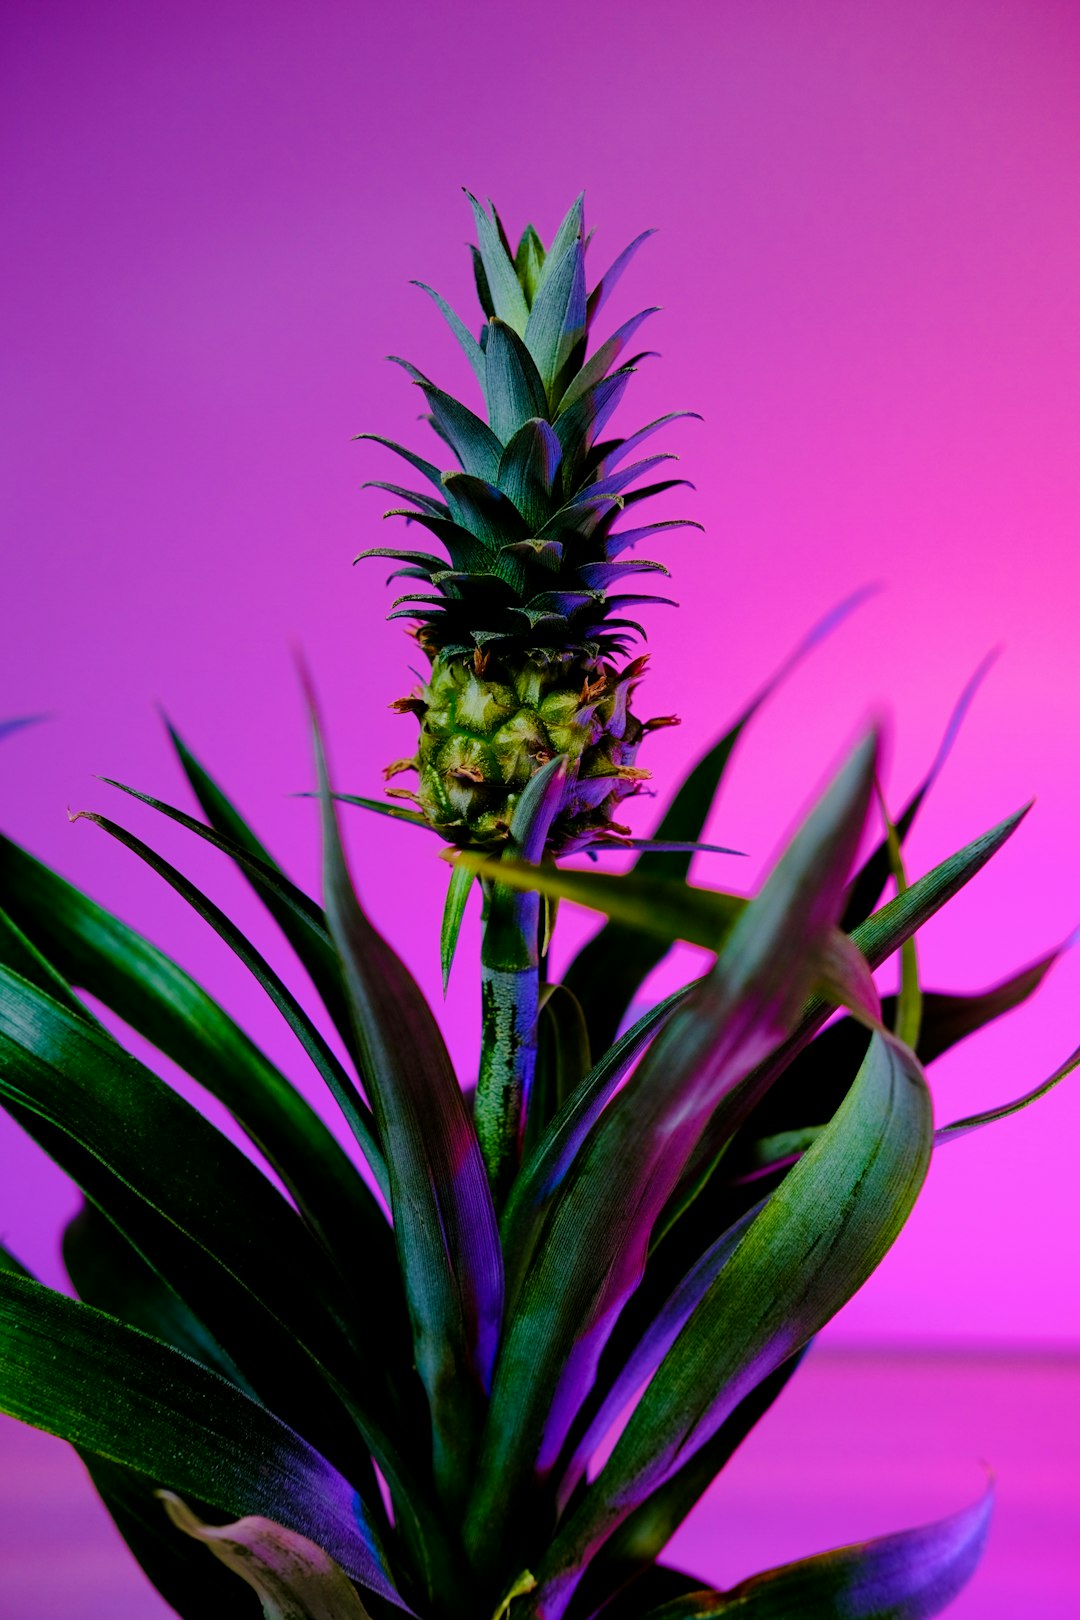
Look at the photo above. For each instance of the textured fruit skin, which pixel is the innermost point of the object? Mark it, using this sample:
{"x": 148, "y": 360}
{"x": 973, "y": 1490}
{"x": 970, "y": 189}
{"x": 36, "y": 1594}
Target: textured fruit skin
{"x": 487, "y": 726}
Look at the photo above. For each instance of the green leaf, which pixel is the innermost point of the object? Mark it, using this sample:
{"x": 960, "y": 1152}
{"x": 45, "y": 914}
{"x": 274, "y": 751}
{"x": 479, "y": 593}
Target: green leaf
{"x": 394, "y": 811}
{"x": 121, "y": 1394}
{"x": 910, "y": 1575}
{"x": 19, "y": 954}
{"x": 556, "y": 326}
{"x": 527, "y": 470}
{"x": 645, "y": 1532}
{"x": 500, "y": 277}
{"x": 469, "y": 437}
{"x": 293, "y": 1578}
{"x": 513, "y": 387}
{"x": 444, "y": 1222}
{"x": 428, "y": 468}
{"x": 488, "y": 514}
{"x": 529, "y": 262}
{"x": 870, "y": 880}
{"x": 94, "y": 950}
{"x": 457, "y": 895}
{"x": 551, "y": 1160}
{"x": 606, "y": 355}
{"x": 474, "y": 354}
{"x": 300, "y": 921}
{"x": 328, "y": 1067}
{"x": 562, "y": 1060}
{"x": 877, "y": 939}
{"x": 909, "y": 1000}
{"x": 666, "y": 910}
{"x": 975, "y": 1122}
{"x": 108, "y": 1273}
{"x": 815, "y": 1242}
{"x": 595, "y": 1238}
{"x": 607, "y": 972}
{"x": 197, "y": 1211}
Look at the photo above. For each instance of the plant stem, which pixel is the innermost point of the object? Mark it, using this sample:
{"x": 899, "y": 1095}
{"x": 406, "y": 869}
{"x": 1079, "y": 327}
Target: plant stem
{"x": 510, "y": 992}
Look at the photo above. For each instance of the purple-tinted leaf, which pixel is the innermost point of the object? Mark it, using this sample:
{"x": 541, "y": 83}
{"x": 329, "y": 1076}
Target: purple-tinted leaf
{"x": 602, "y": 574}
{"x": 606, "y": 355}
{"x": 975, "y": 1122}
{"x": 625, "y": 1560}
{"x": 608, "y": 281}
{"x": 810, "y": 1248}
{"x": 8, "y": 727}
{"x": 546, "y": 1167}
{"x": 607, "y": 972}
{"x": 620, "y": 540}
{"x": 659, "y": 1335}
{"x": 870, "y": 880}
{"x": 577, "y": 427}
{"x": 619, "y": 449}
{"x": 594, "y": 1243}
{"x": 911, "y": 1575}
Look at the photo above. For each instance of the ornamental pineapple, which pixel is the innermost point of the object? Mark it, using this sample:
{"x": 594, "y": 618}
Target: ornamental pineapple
{"x": 399, "y": 1403}
{"x": 526, "y": 644}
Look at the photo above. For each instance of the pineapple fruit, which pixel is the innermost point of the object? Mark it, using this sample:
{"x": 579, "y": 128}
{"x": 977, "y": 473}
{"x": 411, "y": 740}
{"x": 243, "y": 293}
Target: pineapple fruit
{"x": 524, "y": 620}
{"x": 302, "y": 1407}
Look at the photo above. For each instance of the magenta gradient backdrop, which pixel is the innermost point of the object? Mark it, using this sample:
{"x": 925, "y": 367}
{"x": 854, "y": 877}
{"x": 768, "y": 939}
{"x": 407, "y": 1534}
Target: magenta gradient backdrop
{"x": 867, "y": 258}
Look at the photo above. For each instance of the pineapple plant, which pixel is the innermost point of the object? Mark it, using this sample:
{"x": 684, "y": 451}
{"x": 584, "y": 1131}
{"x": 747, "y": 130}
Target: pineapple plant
{"x": 394, "y": 1391}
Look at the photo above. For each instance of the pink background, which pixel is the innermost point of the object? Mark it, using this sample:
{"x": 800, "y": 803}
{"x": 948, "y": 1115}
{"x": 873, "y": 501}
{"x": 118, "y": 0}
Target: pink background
{"x": 867, "y": 258}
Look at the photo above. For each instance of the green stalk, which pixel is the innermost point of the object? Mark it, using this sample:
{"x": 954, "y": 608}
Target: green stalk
{"x": 510, "y": 1003}
{"x": 510, "y": 958}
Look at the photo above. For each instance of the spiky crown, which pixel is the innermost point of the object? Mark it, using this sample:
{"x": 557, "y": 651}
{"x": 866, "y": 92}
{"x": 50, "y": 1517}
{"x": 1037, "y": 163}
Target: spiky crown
{"x": 528, "y": 520}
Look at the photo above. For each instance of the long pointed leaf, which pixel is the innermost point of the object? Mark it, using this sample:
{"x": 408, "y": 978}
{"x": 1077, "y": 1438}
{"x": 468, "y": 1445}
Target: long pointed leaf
{"x": 192, "y": 1205}
{"x": 472, "y": 351}
{"x": 504, "y": 288}
{"x": 609, "y": 280}
{"x": 596, "y": 1237}
{"x": 513, "y": 387}
{"x": 545, "y": 1168}
{"x": 975, "y": 1122}
{"x": 870, "y": 880}
{"x": 331, "y": 1071}
{"x": 608, "y": 971}
{"x": 911, "y": 1575}
{"x": 444, "y": 1222}
{"x": 299, "y": 920}
{"x": 80, "y": 1374}
{"x": 816, "y": 1241}
{"x": 95, "y": 951}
